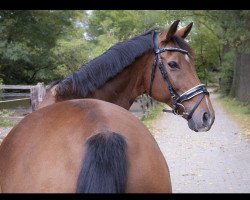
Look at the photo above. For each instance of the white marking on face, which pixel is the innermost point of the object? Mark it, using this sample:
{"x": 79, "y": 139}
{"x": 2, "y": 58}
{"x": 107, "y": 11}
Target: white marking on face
{"x": 187, "y": 58}
{"x": 208, "y": 104}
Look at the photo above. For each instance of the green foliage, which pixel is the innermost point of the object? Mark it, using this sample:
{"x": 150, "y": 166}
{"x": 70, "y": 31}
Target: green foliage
{"x": 105, "y": 28}
{"x": 235, "y": 28}
{"x": 68, "y": 56}
{"x": 49, "y": 45}
{"x": 6, "y": 113}
{"x": 234, "y": 33}
{"x": 207, "y": 51}
{"x": 5, "y": 122}
{"x": 115, "y": 23}
{"x": 227, "y": 70}
{"x": 26, "y": 41}
{"x": 235, "y": 106}
{"x": 103, "y": 43}
{"x": 154, "y": 113}
{"x": 238, "y": 110}
{"x": 1, "y": 83}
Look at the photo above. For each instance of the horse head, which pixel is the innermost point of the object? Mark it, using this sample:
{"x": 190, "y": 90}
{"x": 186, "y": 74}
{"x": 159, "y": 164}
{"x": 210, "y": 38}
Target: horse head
{"x": 174, "y": 81}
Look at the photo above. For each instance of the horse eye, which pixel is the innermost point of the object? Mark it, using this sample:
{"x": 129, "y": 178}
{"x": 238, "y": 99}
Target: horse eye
{"x": 173, "y": 64}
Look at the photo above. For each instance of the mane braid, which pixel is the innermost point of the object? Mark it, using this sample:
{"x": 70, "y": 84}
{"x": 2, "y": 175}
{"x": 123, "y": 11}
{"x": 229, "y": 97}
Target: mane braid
{"x": 101, "y": 69}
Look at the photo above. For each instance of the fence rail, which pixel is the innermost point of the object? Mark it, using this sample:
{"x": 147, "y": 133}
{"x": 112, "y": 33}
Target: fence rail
{"x": 20, "y": 87}
{"x": 36, "y": 93}
{"x": 14, "y": 95}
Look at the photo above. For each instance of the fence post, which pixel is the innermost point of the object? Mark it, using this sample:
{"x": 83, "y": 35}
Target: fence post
{"x": 37, "y": 94}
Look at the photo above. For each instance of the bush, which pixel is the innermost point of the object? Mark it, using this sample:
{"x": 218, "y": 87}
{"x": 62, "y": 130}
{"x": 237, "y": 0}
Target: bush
{"x": 227, "y": 71}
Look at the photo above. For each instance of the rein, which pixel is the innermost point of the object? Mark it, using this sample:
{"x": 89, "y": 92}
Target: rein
{"x": 176, "y": 98}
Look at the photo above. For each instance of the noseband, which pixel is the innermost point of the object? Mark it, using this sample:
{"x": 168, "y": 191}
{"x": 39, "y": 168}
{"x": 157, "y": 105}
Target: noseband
{"x": 177, "y": 99}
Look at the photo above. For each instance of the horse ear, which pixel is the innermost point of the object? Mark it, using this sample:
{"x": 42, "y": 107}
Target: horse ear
{"x": 171, "y": 31}
{"x": 183, "y": 32}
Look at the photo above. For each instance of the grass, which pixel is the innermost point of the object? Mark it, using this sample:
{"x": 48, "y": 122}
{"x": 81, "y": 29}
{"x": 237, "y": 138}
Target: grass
{"x": 4, "y": 122}
{"x": 7, "y": 123}
{"x": 11, "y": 104}
{"x": 239, "y": 111}
{"x": 154, "y": 114}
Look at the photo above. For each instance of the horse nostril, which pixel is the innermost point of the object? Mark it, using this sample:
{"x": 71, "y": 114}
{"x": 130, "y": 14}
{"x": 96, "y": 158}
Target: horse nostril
{"x": 205, "y": 118}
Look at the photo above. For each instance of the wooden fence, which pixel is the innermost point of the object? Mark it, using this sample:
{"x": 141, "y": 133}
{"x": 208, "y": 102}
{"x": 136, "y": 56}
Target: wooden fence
{"x": 141, "y": 107}
{"x": 35, "y": 93}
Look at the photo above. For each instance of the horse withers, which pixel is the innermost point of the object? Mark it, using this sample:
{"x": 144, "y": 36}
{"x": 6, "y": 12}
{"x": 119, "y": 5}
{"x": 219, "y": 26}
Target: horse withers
{"x": 86, "y": 146}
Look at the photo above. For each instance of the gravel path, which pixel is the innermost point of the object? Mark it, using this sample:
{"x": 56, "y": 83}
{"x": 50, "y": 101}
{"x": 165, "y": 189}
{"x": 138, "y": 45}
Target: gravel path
{"x": 217, "y": 161}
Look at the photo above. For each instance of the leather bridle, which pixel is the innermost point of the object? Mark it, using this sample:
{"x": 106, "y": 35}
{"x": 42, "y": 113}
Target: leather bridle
{"x": 177, "y": 99}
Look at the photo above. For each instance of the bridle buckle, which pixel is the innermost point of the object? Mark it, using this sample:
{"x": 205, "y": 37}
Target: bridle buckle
{"x": 176, "y": 108}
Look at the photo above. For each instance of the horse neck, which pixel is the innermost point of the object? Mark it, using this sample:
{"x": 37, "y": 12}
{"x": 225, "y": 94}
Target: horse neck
{"x": 124, "y": 88}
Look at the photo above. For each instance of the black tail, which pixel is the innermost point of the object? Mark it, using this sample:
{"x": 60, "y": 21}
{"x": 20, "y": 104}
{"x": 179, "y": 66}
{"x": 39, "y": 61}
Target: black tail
{"x": 104, "y": 168}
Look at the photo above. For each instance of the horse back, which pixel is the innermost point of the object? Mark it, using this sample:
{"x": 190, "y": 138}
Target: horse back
{"x": 47, "y": 150}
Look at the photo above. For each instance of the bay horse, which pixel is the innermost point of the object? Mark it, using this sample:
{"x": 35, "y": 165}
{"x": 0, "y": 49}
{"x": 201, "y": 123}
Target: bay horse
{"x": 83, "y": 146}
{"x": 160, "y": 64}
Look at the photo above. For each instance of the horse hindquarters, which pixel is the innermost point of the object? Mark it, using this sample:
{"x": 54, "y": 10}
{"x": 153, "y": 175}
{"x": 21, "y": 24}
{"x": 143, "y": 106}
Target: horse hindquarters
{"x": 104, "y": 168}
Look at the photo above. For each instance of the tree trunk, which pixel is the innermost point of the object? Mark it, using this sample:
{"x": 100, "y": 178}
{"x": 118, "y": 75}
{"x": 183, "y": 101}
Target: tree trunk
{"x": 241, "y": 80}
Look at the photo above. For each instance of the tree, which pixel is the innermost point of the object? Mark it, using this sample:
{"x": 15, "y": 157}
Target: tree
{"x": 236, "y": 38}
{"x": 49, "y": 45}
{"x": 68, "y": 56}
{"x": 26, "y": 41}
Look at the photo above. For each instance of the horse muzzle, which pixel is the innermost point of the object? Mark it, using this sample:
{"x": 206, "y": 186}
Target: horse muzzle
{"x": 201, "y": 122}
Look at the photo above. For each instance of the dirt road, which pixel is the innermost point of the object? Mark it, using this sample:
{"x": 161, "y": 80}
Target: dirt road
{"x": 217, "y": 161}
